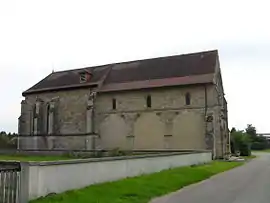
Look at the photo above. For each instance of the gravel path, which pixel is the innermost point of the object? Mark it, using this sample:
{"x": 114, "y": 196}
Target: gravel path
{"x": 246, "y": 184}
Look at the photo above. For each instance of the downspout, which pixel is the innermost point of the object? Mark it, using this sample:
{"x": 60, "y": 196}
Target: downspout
{"x": 205, "y": 114}
{"x": 222, "y": 142}
{"x": 220, "y": 106}
{"x": 224, "y": 125}
{"x": 227, "y": 128}
{"x": 205, "y": 102}
{"x": 31, "y": 132}
{"x": 94, "y": 106}
{"x": 31, "y": 123}
{"x": 18, "y": 140}
{"x": 93, "y": 124}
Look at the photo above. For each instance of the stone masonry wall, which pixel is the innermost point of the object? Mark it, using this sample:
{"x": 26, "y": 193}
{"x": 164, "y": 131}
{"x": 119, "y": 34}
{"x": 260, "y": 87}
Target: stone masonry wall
{"x": 70, "y": 118}
{"x": 169, "y": 123}
{"x": 221, "y": 120}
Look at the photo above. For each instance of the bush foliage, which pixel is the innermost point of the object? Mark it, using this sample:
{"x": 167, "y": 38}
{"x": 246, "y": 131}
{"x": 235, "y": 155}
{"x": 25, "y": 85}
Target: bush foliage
{"x": 245, "y": 141}
{"x": 7, "y": 140}
{"x": 241, "y": 142}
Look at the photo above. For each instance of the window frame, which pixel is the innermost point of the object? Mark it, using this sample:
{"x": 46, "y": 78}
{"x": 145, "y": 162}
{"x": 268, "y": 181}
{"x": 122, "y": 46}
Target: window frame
{"x": 149, "y": 101}
{"x": 83, "y": 77}
{"x": 114, "y": 104}
{"x": 48, "y": 117}
{"x": 187, "y": 99}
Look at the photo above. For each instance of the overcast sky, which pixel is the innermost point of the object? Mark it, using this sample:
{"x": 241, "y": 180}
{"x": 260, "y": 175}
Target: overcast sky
{"x": 38, "y": 36}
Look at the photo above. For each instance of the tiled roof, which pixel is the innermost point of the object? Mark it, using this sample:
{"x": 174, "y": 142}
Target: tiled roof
{"x": 66, "y": 78}
{"x": 171, "y": 70}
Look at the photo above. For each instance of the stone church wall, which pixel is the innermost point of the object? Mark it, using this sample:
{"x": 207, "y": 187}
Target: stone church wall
{"x": 168, "y": 124}
{"x": 69, "y": 118}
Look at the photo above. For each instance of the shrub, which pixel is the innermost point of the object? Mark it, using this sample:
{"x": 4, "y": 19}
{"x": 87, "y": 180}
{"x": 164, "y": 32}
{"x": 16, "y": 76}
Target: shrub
{"x": 259, "y": 145}
{"x": 259, "y": 142}
{"x": 117, "y": 152}
{"x": 241, "y": 142}
{"x": 244, "y": 149}
{"x": 6, "y": 141}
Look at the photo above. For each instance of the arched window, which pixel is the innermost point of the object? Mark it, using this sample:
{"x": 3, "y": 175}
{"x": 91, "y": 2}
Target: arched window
{"x": 187, "y": 96}
{"x": 113, "y": 103}
{"x": 34, "y": 115}
{"x": 34, "y": 110}
{"x": 148, "y": 101}
{"x": 48, "y": 118}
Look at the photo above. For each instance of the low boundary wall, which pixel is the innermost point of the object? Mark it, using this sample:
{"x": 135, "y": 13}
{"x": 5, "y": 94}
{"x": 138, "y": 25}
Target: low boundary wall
{"x": 42, "y": 178}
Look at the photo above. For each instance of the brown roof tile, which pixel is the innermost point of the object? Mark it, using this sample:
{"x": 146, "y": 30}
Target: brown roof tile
{"x": 163, "y": 71}
{"x": 165, "y": 82}
{"x": 66, "y": 79}
{"x": 164, "y": 67}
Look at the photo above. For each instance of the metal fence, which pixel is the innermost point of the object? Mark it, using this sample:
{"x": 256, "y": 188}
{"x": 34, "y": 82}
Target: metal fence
{"x": 9, "y": 182}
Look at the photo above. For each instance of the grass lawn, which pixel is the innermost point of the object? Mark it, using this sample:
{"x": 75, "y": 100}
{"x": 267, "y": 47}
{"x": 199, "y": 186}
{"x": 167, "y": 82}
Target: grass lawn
{"x": 32, "y": 158}
{"x": 143, "y": 188}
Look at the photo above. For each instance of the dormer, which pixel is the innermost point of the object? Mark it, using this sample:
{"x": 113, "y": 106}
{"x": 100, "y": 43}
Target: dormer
{"x": 85, "y": 75}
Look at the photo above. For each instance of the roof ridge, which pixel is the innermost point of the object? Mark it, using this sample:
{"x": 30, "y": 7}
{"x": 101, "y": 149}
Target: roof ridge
{"x": 69, "y": 70}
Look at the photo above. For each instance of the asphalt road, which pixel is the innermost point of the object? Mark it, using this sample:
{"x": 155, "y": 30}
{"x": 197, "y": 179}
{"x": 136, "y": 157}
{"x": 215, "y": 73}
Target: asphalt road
{"x": 246, "y": 184}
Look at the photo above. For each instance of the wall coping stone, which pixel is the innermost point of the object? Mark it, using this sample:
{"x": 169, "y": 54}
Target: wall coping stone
{"x": 88, "y": 160}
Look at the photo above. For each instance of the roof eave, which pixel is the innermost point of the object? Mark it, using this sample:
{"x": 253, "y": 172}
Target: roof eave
{"x": 67, "y": 87}
{"x": 163, "y": 86}
{"x": 168, "y": 82}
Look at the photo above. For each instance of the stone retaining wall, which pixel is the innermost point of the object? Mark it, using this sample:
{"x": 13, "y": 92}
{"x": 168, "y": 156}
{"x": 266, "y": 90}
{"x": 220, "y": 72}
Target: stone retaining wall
{"x": 42, "y": 178}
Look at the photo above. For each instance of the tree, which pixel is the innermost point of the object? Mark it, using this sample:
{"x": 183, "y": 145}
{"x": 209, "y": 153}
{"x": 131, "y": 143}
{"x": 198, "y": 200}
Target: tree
{"x": 251, "y": 130}
{"x": 3, "y": 133}
{"x": 233, "y": 130}
{"x": 241, "y": 142}
{"x": 6, "y": 140}
{"x": 257, "y": 142}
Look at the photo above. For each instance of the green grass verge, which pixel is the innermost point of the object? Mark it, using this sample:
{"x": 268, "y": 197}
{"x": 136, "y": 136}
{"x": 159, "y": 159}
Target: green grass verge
{"x": 265, "y": 150}
{"x": 143, "y": 188}
{"x": 251, "y": 157}
{"x": 31, "y": 158}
